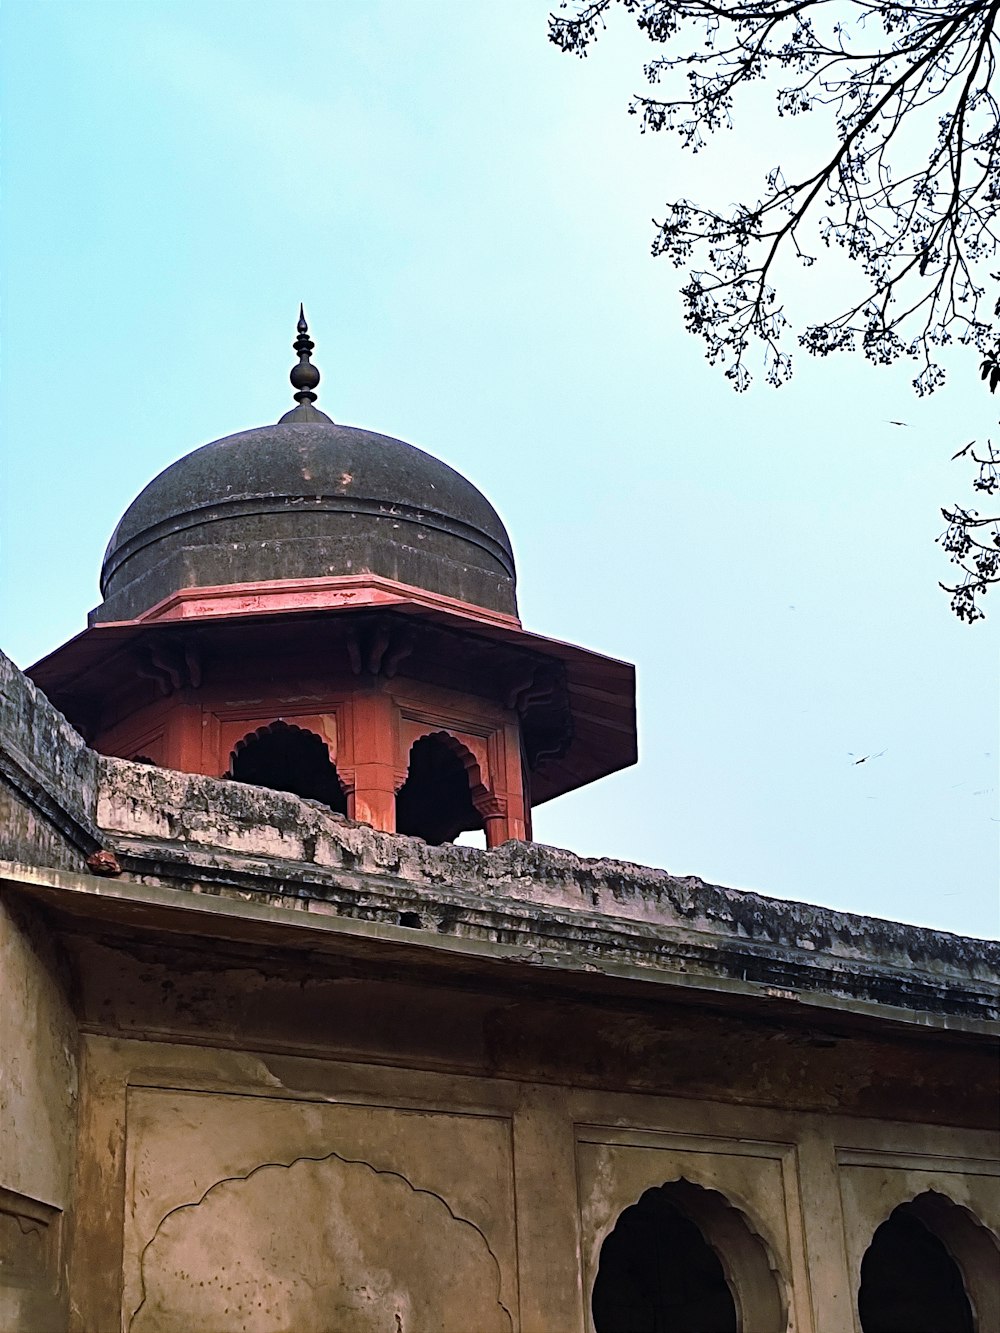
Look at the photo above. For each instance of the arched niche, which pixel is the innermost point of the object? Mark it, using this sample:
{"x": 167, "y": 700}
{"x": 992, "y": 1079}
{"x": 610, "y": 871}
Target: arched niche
{"x": 682, "y": 1259}
{"x": 288, "y": 758}
{"x": 437, "y": 801}
{"x": 931, "y": 1267}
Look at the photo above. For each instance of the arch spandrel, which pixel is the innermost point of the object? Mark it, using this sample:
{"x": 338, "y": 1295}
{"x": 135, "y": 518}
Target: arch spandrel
{"x": 437, "y": 801}
{"x": 733, "y": 1283}
{"x": 236, "y": 729}
{"x": 472, "y": 751}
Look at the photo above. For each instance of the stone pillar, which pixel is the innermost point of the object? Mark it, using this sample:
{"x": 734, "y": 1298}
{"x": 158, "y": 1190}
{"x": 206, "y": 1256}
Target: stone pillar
{"x": 508, "y": 781}
{"x": 496, "y": 829}
{"x": 372, "y": 776}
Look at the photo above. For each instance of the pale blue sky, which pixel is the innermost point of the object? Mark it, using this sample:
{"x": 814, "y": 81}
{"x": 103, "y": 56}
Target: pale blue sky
{"x": 466, "y": 214}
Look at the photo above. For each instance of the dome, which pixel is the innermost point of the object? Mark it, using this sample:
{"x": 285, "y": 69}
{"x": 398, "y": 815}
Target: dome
{"x": 305, "y": 499}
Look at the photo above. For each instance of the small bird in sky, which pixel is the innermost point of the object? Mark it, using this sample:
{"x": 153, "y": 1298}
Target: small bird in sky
{"x": 897, "y": 423}
{"x": 865, "y": 757}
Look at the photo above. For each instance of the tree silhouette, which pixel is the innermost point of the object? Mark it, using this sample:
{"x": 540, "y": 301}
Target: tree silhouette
{"x": 904, "y": 181}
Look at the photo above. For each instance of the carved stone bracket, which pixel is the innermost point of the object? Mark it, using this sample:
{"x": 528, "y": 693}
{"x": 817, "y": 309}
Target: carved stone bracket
{"x": 378, "y": 645}
{"x": 171, "y": 664}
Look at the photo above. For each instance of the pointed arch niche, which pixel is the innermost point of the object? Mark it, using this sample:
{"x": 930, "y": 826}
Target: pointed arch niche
{"x": 931, "y": 1267}
{"x": 443, "y": 794}
{"x": 288, "y": 758}
{"x": 682, "y": 1259}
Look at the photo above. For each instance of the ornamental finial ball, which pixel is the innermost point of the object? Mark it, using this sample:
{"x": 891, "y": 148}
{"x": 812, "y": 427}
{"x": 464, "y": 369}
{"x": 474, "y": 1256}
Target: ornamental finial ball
{"x": 304, "y": 376}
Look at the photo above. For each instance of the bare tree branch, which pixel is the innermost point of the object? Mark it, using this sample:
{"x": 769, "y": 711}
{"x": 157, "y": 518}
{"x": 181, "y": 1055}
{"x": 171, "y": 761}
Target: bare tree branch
{"x": 918, "y": 226}
{"x": 972, "y": 540}
{"x": 906, "y": 186}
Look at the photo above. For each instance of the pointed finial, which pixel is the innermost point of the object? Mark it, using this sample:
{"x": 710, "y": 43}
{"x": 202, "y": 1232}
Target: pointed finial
{"x": 304, "y": 376}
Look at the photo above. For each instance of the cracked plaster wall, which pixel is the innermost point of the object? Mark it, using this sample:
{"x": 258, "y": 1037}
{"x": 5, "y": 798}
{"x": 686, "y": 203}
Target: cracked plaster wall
{"x": 284, "y": 1195}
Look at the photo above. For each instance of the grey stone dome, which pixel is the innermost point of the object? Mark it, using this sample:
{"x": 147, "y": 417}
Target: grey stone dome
{"x": 307, "y": 499}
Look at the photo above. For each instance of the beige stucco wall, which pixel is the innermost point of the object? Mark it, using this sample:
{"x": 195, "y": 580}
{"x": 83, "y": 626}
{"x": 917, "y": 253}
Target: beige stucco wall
{"x": 360, "y": 1138}
{"x": 249, "y": 1193}
{"x": 38, "y": 1095}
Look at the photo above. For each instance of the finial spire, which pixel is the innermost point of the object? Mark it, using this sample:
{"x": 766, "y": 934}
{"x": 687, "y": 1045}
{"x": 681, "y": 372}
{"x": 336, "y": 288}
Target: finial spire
{"x": 304, "y": 376}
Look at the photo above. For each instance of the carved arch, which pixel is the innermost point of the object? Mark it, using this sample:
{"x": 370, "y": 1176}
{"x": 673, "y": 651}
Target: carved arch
{"x": 269, "y": 728}
{"x": 288, "y": 758}
{"x": 453, "y": 818}
{"x": 973, "y": 1248}
{"x": 482, "y": 796}
{"x": 756, "y": 1289}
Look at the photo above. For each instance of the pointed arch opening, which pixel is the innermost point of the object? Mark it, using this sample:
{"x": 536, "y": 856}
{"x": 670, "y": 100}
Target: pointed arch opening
{"x": 683, "y": 1260}
{"x": 436, "y": 800}
{"x": 931, "y": 1267}
{"x": 288, "y": 758}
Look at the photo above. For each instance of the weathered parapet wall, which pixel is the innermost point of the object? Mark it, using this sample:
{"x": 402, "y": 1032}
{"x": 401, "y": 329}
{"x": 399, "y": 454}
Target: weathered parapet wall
{"x": 218, "y": 837}
{"x": 225, "y": 838}
{"x": 48, "y": 779}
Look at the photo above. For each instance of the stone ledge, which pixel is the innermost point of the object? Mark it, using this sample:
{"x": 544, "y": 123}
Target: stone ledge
{"x": 562, "y": 944}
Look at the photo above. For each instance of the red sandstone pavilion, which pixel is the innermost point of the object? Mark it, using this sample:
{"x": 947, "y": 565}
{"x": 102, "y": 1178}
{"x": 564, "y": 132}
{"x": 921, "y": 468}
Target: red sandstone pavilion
{"x": 332, "y": 612}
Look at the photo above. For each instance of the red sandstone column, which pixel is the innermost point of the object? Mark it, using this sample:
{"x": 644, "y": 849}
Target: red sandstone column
{"x": 373, "y": 733}
{"x": 496, "y": 829}
{"x": 183, "y": 742}
{"x": 509, "y": 786}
